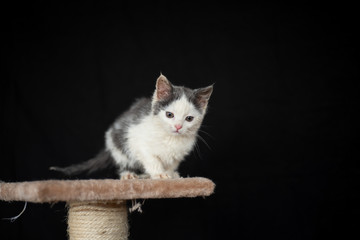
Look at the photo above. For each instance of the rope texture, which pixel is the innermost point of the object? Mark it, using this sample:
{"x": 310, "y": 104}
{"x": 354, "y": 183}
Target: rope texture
{"x": 98, "y": 220}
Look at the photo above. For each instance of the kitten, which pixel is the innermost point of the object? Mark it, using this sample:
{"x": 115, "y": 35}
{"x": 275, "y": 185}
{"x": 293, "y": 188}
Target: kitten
{"x": 154, "y": 135}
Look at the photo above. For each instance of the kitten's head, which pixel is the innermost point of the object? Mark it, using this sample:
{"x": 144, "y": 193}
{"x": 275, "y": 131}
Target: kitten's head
{"x": 179, "y": 109}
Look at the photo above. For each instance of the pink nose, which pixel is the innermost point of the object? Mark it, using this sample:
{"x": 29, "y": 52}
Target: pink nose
{"x": 178, "y": 127}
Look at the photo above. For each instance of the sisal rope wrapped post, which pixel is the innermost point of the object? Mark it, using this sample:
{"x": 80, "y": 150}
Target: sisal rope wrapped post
{"x": 98, "y": 220}
{"x": 97, "y": 208}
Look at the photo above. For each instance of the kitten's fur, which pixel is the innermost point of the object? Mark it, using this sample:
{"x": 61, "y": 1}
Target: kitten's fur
{"x": 154, "y": 135}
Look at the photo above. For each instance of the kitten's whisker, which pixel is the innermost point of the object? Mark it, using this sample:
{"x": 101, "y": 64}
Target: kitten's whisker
{"x": 203, "y": 140}
{"x": 205, "y": 126}
{"x": 208, "y": 134}
{"x": 197, "y": 149}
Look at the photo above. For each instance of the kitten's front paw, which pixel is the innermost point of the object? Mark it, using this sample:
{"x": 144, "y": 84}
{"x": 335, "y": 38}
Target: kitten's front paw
{"x": 161, "y": 176}
{"x": 128, "y": 175}
{"x": 166, "y": 175}
{"x": 175, "y": 175}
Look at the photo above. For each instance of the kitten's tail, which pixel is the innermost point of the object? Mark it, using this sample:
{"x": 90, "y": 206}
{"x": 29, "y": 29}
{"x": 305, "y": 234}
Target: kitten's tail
{"x": 102, "y": 161}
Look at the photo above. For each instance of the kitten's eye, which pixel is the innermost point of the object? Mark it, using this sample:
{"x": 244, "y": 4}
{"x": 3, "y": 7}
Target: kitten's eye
{"x": 189, "y": 118}
{"x": 169, "y": 114}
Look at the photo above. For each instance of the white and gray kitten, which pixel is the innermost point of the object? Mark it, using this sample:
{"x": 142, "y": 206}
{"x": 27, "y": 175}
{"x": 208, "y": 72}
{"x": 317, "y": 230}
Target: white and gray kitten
{"x": 153, "y": 137}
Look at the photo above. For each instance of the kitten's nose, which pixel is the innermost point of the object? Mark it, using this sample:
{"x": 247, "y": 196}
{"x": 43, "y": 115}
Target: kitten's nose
{"x": 178, "y": 127}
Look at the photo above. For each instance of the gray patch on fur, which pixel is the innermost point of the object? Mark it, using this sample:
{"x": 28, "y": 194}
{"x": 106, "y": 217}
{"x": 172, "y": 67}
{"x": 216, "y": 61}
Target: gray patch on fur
{"x": 119, "y": 139}
{"x": 176, "y": 94}
{"x": 140, "y": 109}
{"x": 136, "y": 168}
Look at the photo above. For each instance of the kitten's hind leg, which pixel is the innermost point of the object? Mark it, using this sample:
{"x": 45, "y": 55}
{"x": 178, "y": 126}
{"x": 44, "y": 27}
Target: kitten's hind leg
{"x": 128, "y": 175}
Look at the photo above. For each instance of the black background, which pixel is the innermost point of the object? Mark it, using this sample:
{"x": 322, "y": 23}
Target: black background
{"x": 282, "y": 119}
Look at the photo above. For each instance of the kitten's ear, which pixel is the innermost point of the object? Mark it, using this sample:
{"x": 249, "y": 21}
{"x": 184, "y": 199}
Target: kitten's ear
{"x": 203, "y": 96}
{"x": 163, "y": 88}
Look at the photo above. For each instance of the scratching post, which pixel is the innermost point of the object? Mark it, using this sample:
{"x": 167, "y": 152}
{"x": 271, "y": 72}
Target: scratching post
{"x": 97, "y": 208}
{"x": 98, "y": 220}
